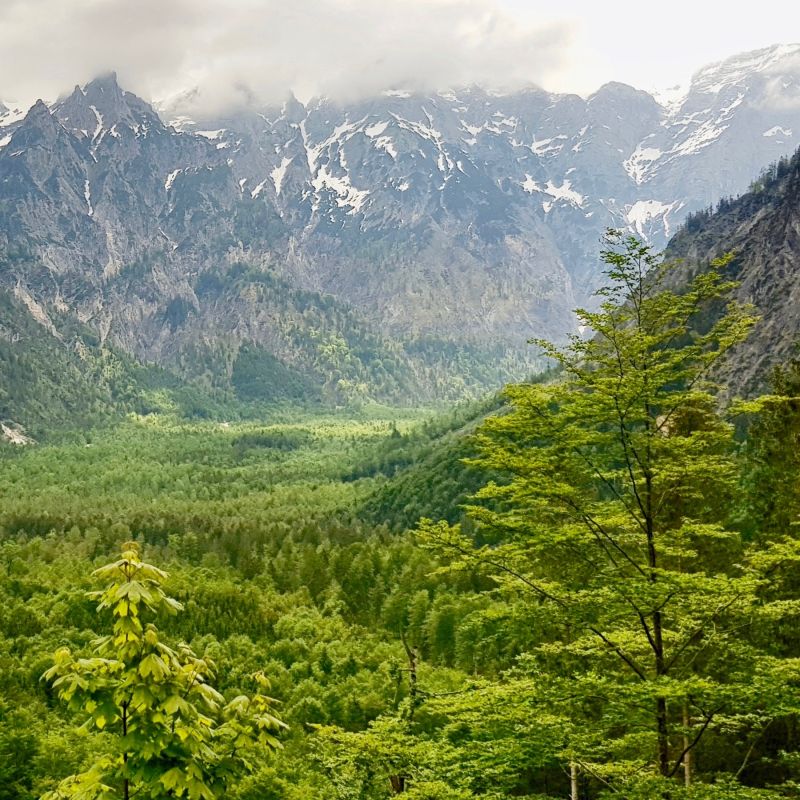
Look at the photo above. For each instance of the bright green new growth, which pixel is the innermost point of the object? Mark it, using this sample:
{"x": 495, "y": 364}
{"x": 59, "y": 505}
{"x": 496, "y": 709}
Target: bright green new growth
{"x": 613, "y": 526}
{"x": 168, "y": 732}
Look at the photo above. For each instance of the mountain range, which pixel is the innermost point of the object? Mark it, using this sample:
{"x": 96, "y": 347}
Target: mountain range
{"x": 401, "y": 247}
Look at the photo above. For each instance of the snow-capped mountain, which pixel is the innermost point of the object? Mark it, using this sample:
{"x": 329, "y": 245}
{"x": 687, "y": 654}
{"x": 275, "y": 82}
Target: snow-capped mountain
{"x": 465, "y": 216}
{"x": 737, "y": 116}
{"x": 618, "y": 158}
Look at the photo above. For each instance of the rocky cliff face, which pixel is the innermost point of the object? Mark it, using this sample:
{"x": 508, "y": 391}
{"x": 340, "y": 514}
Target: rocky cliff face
{"x": 410, "y": 243}
{"x": 143, "y": 236}
{"x": 762, "y": 229}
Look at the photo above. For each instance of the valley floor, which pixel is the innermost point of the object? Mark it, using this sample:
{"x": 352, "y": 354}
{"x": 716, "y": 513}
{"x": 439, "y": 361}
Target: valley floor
{"x": 265, "y": 530}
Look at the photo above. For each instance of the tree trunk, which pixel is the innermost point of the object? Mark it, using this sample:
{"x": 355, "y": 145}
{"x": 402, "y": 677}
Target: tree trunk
{"x": 662, "y": 720}
{"x": 125, "y": 782}
{"x": 663, "y": 737}
{"x": 687, "y": 758}
{"x": 573, "y": 781}
{"x": 411, "y": 653}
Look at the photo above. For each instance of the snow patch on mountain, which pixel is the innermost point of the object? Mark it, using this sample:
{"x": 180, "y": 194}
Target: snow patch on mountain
{"x": 339, "y": 135}
{"x": 530, "y": 185}
{"x": 544, "y": 147}
{"x": 279, "y": 173}
{"x": 640, "y": 162}
{"x": 99, "y": 129}
{"x": 87, "y": 195}
{"x": 347, "y": 195}
{"x": 563, "y": 192}
{"x": 259, "y": 188}
{"x": 212, "y": 135}
{"x": 704, "y": 135}
{"x": 171, "y": 179}
{"x": 376, "y": 129}
{"x": 643, "y": 212}
{"x": 181, "y": 123}
{"x": 386, "y": 143}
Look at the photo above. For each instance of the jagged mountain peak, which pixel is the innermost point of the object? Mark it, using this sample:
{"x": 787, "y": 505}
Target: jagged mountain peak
{"x": 103, "y": 92}
{"x": 292, "y": 109}
{"x": 617, "y": 89}
{"x": 741, "y": 67}
{"x": 103, "y": 85}
{"x": 97, "y": 108}
{"x": 39, "y": 110}
{"x": 105, "y": 82}
{"x": 620, "y": 99}
{"x": 39, "y": 121}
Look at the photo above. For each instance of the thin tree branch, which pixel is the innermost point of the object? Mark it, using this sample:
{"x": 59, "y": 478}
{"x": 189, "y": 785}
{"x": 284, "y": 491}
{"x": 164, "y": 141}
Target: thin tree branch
{"x": 691, "y": 744}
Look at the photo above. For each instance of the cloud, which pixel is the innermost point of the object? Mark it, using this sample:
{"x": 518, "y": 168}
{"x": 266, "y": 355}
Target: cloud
{"x": 781, "y": 94}
{"x": 258, "y": 50}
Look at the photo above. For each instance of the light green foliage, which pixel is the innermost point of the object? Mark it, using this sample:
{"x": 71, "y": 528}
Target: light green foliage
{"x": 283, "y": 540}
{"x": 168, "y": 731}
{"x": 383, "y": 761}
{"x": 260, "y": 528}
{"x": 612, "y": 524}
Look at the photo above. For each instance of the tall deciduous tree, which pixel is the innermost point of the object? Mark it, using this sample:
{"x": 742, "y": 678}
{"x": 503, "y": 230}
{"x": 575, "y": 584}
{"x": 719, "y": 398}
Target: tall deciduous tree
{"x": 613, "y": 525}
{"x": 169, "y": 733}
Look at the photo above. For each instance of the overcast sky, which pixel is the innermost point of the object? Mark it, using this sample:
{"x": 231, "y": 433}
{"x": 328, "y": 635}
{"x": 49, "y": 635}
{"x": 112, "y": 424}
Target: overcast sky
{"x": 236, "y": 49}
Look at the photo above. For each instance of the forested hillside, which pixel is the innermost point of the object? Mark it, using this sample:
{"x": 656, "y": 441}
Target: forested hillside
{"x": 600, "y": 600}
{"x": 55, "y": 382}
{"x": 762, "y": 229}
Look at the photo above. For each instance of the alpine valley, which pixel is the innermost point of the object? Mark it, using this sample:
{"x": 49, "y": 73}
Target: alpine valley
{"x": 402, "y": 248}
{"x": 270, "y": 529}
